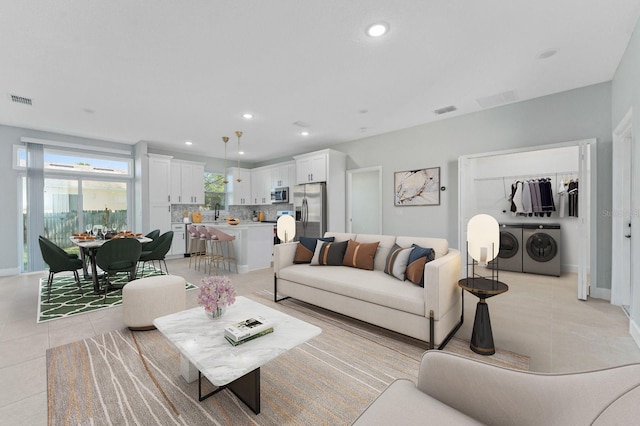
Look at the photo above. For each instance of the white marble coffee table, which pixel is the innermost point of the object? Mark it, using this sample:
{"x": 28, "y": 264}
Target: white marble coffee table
{"x": 204, "y": 350}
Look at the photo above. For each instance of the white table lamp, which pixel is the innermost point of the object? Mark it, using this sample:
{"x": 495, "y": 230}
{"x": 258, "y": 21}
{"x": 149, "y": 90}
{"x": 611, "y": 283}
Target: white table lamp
{"x": 286, "y": 228}
{"x": 483, "y": 238}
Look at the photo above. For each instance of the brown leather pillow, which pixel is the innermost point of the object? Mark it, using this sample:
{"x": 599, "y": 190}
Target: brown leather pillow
{"x": 360, "y": 255}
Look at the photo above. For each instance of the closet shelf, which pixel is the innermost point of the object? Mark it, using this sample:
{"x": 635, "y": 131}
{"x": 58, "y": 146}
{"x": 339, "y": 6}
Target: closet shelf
{"x": 574, "y": 172}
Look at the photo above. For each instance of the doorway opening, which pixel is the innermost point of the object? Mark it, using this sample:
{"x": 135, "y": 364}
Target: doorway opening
{"x": 486, "y": 184}
{"x": 364, "y": 200}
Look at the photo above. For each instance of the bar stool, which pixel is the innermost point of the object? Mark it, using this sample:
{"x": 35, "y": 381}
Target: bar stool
{"x": 204, "y": 238}
{"x": 223, "y": 239}
{"x": 194, "y": 244}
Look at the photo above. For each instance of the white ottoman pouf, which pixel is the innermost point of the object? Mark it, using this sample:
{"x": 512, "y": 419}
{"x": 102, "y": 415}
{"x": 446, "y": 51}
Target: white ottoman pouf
{"x": 148, "y": 298}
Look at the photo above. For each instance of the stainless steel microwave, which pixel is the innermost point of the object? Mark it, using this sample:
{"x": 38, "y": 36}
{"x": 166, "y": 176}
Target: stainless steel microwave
{"x": 280, "y": 195}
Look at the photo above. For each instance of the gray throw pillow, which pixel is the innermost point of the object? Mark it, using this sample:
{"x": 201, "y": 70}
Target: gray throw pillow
{"x": 397, "y": 260}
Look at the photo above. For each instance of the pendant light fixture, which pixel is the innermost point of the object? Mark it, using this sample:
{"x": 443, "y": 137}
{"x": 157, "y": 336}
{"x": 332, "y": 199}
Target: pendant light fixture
{"x": 238, "y": 134}
{"x": 225, "y": 139}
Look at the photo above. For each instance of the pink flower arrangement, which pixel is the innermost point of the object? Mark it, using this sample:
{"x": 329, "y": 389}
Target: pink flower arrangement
{"x": 216, "y": 293}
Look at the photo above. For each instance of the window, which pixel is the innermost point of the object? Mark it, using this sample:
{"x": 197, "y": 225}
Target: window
{"x": 214, "y": 191}
{"x": 80, "y": 191}
{"x": 57, "y": 160}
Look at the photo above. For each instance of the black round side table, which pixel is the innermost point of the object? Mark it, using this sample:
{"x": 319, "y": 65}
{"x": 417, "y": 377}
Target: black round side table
{"x": 483, "y": 288}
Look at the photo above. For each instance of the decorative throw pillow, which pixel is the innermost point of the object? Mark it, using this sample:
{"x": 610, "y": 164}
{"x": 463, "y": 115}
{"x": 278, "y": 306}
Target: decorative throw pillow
{"x": 397, "y": 261}
{"x": 306, "y": 248}
{"x": 360, "y": 255}
{"x": 329, "y": 254}
{"x": 417, "y": 259}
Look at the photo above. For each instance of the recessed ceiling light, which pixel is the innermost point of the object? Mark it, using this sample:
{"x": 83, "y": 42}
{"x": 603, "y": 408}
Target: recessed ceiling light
{"x": 247, "y": 115}
{"x": 378, "y": 29}
{"x": 305, "y": 133}
{"x": 188, "y": 143}
{"x": 547, "y": 53}
{"x": 241, "y": 152}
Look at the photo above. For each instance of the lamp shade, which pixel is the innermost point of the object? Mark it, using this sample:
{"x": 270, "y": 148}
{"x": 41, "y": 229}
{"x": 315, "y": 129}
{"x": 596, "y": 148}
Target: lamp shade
{"x": 483, "y": 238}
{"x": 286, "y": 228}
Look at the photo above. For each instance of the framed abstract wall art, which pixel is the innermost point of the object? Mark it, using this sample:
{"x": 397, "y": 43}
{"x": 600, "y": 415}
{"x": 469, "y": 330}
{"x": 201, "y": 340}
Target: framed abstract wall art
{"x": 417, "y": 187}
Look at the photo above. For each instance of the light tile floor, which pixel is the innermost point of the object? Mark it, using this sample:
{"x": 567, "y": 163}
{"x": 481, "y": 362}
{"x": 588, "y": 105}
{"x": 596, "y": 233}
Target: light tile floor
{"x": 539, "y": 316}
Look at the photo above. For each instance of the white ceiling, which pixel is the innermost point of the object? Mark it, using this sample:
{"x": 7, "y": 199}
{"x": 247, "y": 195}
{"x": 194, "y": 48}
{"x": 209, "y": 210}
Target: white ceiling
{"x": 170, "y": 71}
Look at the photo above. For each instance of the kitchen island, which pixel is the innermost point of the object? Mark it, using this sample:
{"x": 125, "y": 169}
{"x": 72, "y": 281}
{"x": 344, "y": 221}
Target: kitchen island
{"x": 253, "y": 243}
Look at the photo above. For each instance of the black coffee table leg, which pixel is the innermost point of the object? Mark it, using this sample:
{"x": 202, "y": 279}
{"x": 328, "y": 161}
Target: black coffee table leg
{"x": 482, "y": 337}
{"x": 246, "y": 388}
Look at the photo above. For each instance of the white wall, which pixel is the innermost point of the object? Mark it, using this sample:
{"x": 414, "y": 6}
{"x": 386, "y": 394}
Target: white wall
{"x": 573, "y": 115}
{"x": 625, "y": 94}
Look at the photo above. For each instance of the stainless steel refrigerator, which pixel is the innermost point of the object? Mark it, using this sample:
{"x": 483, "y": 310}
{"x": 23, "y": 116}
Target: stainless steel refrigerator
{"x": 310, "y": 205}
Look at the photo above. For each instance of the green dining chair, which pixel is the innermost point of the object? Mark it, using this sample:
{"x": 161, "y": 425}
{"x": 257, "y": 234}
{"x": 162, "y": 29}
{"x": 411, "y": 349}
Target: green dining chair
{"x": 59, "y": 261}
{"x": 157, "y": 250}
{"x": 153, "y": 235}
{"x": 118, "y": 255}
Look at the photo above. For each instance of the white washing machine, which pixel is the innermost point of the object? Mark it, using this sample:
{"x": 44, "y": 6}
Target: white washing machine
{"x": 541, "y": 254}
{"x": 510, "y": 254}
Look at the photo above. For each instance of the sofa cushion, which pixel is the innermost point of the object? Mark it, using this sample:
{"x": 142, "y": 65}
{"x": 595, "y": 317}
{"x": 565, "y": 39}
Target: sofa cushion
{"x": 370, "y": 286}
{"x": 397, "y": 261}
{"x": 401, "y": 403}
{"x": 622, "y": 411}
{"x": 331, "y": 254}
{"x": 306, "y": 249}
{"x": 360, "y": 255}
{"x": 439, "y": 245}
{"x": 384, "y": 246}
{"x": 418, "y": 257}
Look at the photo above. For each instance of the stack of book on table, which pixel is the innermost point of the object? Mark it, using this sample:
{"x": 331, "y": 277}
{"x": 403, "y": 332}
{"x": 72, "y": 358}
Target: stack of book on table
{"x": 248, "y": 329}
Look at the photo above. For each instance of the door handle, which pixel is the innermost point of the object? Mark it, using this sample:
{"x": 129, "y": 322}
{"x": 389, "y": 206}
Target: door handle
{"x": 627, "y": 236}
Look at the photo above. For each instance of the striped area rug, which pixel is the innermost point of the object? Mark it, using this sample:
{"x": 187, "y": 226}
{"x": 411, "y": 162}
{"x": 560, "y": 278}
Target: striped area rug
{"x": 126, "y": 377}
{"x": 67, "y": 300}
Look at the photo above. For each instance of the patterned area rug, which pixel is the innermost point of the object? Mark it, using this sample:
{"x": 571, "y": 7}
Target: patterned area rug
{"x": 125, "y": 377}
{"x": 66, "y": 299}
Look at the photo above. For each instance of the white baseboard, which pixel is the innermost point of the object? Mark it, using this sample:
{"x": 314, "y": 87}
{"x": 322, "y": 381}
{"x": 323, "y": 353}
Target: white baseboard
{"x": 634, "y": 329}
{"x": 600, "y": 293}
{"x": 9, "y": 271}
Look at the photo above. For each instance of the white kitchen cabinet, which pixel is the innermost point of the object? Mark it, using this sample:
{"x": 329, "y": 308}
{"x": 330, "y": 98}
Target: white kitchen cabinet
{"x": 159, "y": 193}
{"x": 187, "y": 182}
{"x": 159, "y": 218}
{"x": 261, "y": 186}
{"x": 159, "y": 179}
{"x": 238, "y": 193}
{"x": 178, "y": 242}
{"x": 327, "y": 166}
{"x": 283, "y": 175}
{"x": 311, "y": 168}
{"x": 176, "y": 182}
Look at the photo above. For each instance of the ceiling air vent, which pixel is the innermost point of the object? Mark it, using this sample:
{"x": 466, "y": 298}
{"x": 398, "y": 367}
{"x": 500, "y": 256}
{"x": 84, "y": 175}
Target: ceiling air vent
{"x": 503, "y": 98}
{"x": 21, "y": 100}
{"x": 445, "y": 110}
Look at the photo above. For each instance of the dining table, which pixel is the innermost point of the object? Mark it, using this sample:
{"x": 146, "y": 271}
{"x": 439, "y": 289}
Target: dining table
{"x": 93, "y": 245}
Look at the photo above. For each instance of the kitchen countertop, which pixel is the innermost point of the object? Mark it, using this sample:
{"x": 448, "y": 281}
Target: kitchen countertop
{"x": 224, "y": 224}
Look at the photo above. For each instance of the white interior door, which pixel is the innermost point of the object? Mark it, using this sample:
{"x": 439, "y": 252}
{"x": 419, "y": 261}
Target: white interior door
{"x": 621, "y": 260}
{"x": 584, "y": 228}
{"x": 364, "y": 195}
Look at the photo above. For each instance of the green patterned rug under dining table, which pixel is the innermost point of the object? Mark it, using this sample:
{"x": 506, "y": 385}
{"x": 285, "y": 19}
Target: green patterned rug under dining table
{"x": 66, "y": 299}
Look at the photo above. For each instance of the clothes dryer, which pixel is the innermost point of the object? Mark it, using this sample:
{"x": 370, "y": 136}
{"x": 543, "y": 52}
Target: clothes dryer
{"x": 510, "y": 254}
{"x": 541, "y": 253}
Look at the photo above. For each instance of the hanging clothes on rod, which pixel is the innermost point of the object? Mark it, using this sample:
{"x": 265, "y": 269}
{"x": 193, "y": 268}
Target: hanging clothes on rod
{"x": 572, "y": 193}
{"x": 532, "y": 197}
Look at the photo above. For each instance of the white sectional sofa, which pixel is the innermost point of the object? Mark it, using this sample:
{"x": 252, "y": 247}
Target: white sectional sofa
{"x": 432, "y": 313}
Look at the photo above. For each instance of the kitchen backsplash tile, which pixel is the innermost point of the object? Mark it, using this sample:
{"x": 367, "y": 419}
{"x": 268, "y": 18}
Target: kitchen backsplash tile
{"x": 241, "y": 212}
